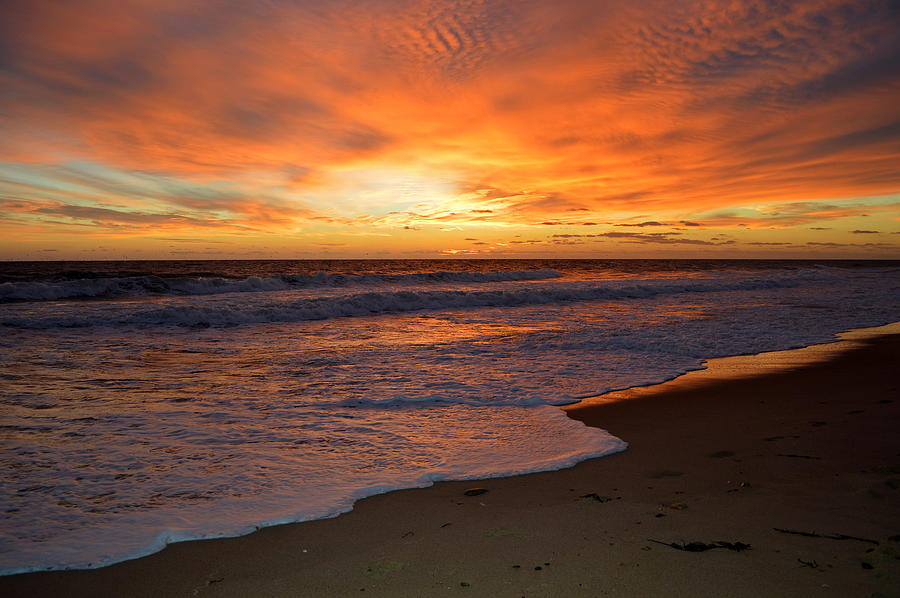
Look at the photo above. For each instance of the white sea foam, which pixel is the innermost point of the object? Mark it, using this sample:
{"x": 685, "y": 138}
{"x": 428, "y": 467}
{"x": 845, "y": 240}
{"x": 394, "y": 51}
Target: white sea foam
{"x": 132, "y": 521}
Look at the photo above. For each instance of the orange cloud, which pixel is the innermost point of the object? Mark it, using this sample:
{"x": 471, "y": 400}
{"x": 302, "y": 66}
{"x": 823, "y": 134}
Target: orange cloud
{"x": 262, "y": 117}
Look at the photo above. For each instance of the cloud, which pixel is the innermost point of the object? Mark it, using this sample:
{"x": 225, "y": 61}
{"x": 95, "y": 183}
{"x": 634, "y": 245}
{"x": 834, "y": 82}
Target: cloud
{"x": 794, "y": 214}
{"x": 190, "y": 240}
{"x": 89, "y": 192}
{"x": 253, "y": 115}
{"x": 643, "y": 224}
{"x": 665, "y": 238}
{"x": 117, "y": 218}
{"x": 854, "y": 245}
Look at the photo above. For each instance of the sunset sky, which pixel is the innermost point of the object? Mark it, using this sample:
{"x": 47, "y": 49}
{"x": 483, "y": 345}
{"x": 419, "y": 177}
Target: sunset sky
{"x": 394, "y": 128}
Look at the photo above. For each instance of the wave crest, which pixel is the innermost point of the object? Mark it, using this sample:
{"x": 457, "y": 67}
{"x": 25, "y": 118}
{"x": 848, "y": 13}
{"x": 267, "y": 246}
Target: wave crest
{"x": 151, "y": 285}
{"x": 281, "y": 309}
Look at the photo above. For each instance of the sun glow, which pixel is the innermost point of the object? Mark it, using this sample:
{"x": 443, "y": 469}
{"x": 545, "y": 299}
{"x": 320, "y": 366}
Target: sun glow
{"x": 377, "y": 191}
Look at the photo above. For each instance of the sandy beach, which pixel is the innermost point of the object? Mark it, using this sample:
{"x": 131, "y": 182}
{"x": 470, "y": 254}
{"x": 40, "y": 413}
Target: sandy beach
{"x": 746, "y": 479}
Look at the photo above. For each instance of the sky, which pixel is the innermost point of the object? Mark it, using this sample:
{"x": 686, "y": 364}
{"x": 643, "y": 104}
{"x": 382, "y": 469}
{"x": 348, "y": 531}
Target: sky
{"x": 172, "y": 129}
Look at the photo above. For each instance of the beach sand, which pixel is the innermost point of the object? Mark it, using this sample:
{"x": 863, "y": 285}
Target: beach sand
{"x": 800, "y": 461}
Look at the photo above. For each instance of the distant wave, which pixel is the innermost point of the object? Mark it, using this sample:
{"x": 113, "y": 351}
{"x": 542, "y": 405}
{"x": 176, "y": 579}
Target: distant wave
{"x": 151, "y": 285}
{"x": 236, "y": 312}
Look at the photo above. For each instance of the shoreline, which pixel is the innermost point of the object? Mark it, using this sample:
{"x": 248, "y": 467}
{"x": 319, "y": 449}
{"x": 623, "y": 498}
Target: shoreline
{"x": 809, "y": 446}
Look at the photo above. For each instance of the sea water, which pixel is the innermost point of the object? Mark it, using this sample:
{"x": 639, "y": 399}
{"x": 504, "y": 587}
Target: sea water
{"x": 150, "y": 402}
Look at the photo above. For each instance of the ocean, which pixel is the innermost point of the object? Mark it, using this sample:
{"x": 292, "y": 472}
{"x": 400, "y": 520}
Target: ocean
{"x": 145, "y": 403}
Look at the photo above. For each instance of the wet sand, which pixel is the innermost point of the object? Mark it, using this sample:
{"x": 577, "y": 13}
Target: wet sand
{"x": 794, "y": 467}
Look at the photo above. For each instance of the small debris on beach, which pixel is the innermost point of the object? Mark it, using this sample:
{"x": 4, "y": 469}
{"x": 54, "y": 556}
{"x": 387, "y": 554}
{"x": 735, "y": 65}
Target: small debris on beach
{"x": 386, "y": 567}
{"x": 703, "y": 546}
{"x": 741, "y": 486}
{"x": 475, "y": 491}
{"x": 826, "y": 536}
{"x": 596, "y": 497}
{"x": 810, "y": 564}
{"x": 678, "y": 506}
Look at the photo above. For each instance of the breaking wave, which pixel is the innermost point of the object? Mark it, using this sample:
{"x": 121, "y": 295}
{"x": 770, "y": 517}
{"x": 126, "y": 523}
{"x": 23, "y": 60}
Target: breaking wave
{"x": 239, "y": 310}
{"x": 152, "y": 285}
